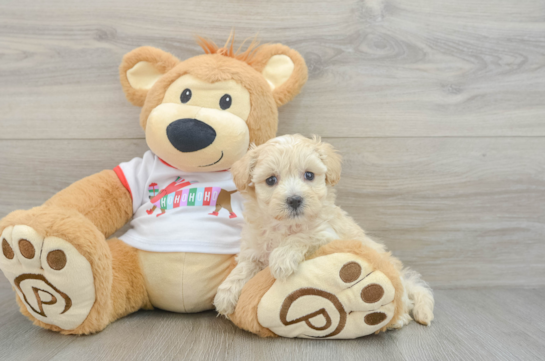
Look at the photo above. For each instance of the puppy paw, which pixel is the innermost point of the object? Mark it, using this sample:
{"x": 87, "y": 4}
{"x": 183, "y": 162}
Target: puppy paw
{"x": 282, "y": 272}
{"x": 281, "y": 265}
{"x": 423, "y": 314}
{"x": 225, "y": 301}
{"x": 403, "y": 320}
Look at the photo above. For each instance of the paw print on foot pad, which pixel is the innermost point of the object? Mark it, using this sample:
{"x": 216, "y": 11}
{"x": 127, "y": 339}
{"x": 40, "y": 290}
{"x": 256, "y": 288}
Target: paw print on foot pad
{"x": 53, "y": 280}
{"x": 334, "y": 296}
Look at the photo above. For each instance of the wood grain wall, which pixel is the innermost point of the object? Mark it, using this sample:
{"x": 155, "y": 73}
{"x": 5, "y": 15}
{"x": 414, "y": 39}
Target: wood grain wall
{"x": 438, "y": 107}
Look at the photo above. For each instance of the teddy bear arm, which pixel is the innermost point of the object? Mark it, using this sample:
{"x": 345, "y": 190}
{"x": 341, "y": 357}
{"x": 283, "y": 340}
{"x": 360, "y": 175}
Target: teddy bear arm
{"x": 101, "y": 198}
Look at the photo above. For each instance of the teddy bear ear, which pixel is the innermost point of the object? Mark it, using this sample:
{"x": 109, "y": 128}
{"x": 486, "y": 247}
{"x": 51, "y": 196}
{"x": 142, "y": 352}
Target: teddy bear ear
{"x": 141, "y": 68}
{"x": 283, "y": 68}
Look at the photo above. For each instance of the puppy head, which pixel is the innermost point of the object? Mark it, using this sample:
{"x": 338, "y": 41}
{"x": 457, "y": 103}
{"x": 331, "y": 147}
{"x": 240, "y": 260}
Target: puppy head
{"x": 289, "y": 176}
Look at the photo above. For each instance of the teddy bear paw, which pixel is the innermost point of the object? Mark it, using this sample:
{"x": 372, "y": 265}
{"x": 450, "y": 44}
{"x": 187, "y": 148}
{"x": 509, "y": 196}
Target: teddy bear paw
{"x": 53, "y": 280}
{"x": 335, "y": 296}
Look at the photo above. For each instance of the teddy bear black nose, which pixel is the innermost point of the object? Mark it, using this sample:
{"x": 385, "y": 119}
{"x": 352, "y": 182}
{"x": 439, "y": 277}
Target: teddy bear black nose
{"x": 190, "y": 135}
{"x": 294, "y": 202}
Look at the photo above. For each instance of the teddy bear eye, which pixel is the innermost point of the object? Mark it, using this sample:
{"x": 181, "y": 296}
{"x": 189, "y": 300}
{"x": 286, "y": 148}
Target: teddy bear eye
{"x": 309, "y": 176}
{"x": 225, "y": 102}
{"x": 271, "y": 181}
{"x": 185, "y": 96}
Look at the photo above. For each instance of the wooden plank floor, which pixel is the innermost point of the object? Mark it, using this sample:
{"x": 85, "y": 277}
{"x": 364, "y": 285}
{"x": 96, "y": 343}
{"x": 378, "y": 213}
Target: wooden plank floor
{"x": 471, "y": 324}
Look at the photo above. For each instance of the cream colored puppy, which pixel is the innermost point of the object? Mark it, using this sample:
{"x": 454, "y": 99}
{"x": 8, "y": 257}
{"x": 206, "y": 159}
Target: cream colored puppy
{"x": 290, "y": 212}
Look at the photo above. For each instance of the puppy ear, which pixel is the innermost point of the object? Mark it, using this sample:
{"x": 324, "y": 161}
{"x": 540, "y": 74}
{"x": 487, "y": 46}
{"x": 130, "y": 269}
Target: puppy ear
{"x": 331, "y": 159}
{"x": 242, "y": 170}
{"x": 283, "y": 68}
{"x": 141, "y": 68}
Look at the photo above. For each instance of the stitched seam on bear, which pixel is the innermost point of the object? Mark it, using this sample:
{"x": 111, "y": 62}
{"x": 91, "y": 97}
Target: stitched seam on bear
{"x": 183, "y": 281}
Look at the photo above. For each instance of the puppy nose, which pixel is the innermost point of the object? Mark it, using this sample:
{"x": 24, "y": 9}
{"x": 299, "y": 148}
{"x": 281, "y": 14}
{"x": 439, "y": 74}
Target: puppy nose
{"x": 190, "y": 135}
{"x": 294, "y": 201}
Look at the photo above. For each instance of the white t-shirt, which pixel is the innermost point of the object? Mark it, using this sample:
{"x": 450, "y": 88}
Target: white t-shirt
{"x": 176, "y": 211}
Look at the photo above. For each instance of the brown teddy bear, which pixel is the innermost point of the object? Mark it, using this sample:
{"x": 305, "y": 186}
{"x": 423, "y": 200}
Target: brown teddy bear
{"x": 199, "y": 116}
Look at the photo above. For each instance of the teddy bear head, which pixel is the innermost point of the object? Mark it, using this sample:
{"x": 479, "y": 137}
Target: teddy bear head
{"x": 201, "y": 114}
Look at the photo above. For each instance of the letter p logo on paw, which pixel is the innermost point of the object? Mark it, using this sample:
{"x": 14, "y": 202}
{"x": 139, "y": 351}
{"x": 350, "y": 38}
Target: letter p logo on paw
{"x": 300, "y": 301}
{"x": 29, "y": 284}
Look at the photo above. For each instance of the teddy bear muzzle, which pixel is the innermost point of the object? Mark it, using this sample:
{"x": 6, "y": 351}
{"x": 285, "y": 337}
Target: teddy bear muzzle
{"x": 193, "y": 138}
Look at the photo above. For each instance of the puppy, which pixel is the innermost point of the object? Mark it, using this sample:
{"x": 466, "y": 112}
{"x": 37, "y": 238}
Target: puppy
{"x": 290, "y": 212}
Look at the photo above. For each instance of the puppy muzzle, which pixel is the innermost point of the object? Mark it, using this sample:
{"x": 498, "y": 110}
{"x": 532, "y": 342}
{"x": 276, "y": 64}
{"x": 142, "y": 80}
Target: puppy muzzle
{"x": 295, "y": 205}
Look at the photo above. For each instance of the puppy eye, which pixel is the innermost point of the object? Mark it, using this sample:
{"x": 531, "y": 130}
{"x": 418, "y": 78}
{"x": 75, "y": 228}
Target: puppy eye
{"x": 225, "y": 102}
{"x": 271, "y": 181}
{"x": 185, "y": 96}
{"x": 309, "y": 176}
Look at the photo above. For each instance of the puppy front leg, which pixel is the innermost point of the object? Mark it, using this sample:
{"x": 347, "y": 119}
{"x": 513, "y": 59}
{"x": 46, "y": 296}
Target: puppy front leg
{"x": 229, "y": 291}
{"x": 285, "y": 259}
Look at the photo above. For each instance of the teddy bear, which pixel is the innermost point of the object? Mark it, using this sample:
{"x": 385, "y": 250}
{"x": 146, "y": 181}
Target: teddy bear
{"x": 199, "y": 116}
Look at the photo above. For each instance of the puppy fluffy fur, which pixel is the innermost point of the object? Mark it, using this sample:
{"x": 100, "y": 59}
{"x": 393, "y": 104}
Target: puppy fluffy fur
{"x": 281, "y": 237}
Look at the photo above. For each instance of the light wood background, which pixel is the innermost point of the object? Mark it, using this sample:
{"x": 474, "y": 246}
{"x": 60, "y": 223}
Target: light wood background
{"x": 438, "y": 107}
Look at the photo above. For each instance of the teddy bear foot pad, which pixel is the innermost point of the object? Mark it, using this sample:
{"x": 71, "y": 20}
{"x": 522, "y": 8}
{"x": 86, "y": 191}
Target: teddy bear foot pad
{"x": 53, "y": 280}
{"x": 335, "y": 296}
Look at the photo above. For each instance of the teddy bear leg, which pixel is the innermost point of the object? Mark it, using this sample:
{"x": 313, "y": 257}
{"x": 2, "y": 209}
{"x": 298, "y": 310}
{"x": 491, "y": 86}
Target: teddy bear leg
{"x": 344, "y": 290}
{"x": 61, "y": 269}
{"x": 128, "y": 292}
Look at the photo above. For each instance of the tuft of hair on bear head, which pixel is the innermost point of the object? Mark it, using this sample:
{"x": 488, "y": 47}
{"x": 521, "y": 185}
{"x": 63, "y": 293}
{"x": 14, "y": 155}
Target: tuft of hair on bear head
{"x": 227, "y": 50}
